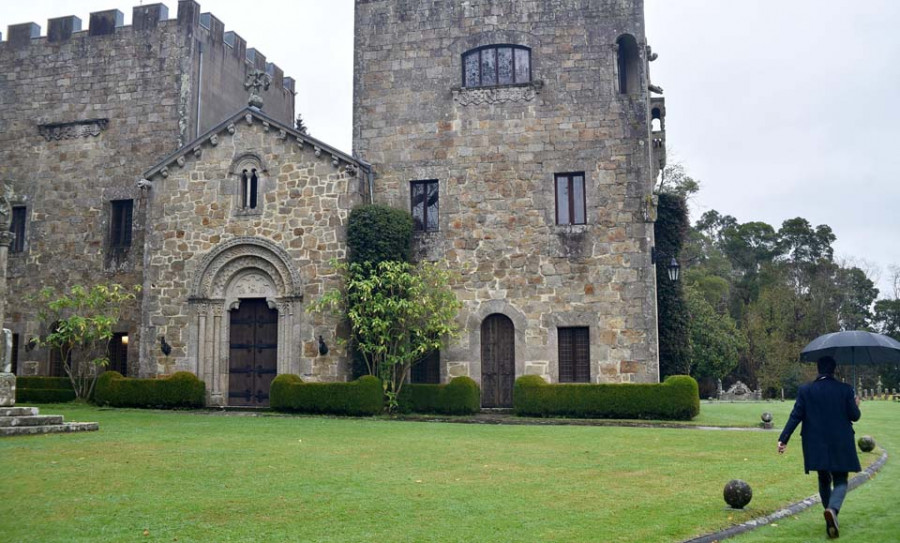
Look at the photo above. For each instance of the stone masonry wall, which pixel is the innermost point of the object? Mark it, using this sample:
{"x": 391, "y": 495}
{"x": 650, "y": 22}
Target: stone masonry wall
{"x": 82, "y": 113}
{"x": 495, "y": 152}
{"x": 305, "y": 197}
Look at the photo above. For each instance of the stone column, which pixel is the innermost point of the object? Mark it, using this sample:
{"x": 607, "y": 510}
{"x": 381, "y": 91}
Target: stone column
{"x": 7, "y": 378}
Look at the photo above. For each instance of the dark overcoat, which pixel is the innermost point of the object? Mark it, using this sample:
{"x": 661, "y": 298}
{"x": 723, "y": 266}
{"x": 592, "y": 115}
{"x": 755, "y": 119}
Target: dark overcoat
{"x": 827, "y": 409}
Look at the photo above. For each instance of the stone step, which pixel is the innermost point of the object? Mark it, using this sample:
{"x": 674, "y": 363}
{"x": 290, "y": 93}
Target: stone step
{"x": 18, "y": 411}
{"x": 50, "y": 429}
{"x": 36, "y": 420}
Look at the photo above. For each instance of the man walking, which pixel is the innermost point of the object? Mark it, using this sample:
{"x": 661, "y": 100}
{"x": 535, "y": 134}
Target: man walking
{"x": 827, "y": 408}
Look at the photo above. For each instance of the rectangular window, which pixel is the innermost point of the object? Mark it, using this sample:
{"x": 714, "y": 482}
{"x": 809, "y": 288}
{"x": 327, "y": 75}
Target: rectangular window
{"x": 14, "y": 359}
{"x": 424, "y": 204}
{"x": 17, "y": 227}
{"x": 570, "y": 198}
{"x": 118, "y": 353}
{"x": 427, "y": 370}
{"x": 120, "y": 224}
{"x": 574, "y": 355}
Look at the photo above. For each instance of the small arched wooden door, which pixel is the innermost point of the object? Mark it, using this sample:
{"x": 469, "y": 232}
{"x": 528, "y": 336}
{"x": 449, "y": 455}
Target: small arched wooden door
{"x": 498, "y": 361}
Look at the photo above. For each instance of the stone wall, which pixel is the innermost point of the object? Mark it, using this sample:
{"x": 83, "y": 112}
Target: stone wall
{"x": 205, "y": 252}
{"x": 83, "y": 111}
{"x": 495, "y": 152}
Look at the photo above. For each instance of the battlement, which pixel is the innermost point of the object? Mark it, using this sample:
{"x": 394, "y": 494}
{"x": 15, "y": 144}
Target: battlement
{"x": 205, "y": 27}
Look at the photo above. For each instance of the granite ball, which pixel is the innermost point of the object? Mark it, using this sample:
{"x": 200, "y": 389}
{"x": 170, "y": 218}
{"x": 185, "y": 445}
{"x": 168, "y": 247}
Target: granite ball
{"x": 766, "y": 417}
{"x": 866, "y": 444}
{"x": 737, "y": 493}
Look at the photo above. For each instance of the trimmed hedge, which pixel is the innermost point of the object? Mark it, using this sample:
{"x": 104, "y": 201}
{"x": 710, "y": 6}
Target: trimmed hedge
{"x": 364, "y": 396}
{"x": 44, "y": 390}
{"x": 461, "y": 396}
{"x": 678, "y": 398}
{"x": 181, "y": 389}
{"x": 376, "y": 233}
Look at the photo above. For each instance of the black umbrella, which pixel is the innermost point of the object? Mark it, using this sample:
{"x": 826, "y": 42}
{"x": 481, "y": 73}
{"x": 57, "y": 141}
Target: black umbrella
{"x": 853, "y": 349}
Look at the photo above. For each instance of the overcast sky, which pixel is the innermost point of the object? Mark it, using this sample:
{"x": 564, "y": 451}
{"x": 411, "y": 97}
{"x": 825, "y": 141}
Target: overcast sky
{"x": 781, "y": 108}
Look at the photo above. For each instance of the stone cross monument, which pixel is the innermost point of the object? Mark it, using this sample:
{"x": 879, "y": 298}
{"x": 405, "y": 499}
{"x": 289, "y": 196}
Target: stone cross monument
{"x": 7, "y": 378}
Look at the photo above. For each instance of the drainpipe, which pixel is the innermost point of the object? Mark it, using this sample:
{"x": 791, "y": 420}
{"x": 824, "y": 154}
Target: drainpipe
{"x": 370, "y": 173}
{"x": 199, "y": 90}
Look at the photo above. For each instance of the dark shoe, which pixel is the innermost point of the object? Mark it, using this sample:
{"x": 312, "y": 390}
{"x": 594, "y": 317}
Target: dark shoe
{"x": 831, "y": 524}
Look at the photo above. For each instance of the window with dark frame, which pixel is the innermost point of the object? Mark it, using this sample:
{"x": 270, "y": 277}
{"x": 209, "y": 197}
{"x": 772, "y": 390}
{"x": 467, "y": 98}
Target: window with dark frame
{"x": 249, "y": 189}
{"x": 423, "y": 196}
{"x": 120, "y": 223}
{"x": 428, "y": 370}
{"x": 574, "y": 355}
{"x": 15, "y": 354}
{"x": 118, "y": 353}
{"x": 17, "y": 227}
{"x": 494, "y": 65}
{"x": 570, "y": 198}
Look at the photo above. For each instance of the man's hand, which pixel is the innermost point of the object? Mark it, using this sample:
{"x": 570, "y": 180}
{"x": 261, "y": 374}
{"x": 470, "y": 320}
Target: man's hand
{"x": 781, "y": 447}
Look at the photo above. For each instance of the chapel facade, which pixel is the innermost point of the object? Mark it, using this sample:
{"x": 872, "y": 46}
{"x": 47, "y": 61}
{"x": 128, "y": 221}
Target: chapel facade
{"x": 522, "y": 136}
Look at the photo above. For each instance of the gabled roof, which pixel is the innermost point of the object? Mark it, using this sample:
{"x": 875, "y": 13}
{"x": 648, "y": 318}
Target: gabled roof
{"x": 250, "y": 115}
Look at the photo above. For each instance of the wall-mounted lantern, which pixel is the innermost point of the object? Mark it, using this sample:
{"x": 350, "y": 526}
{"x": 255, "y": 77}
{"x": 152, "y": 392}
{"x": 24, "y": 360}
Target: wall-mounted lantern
{"x": 673, "y": 269}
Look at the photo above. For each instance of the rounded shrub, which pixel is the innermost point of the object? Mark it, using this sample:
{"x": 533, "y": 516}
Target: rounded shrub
{"x": 376, "y": 233}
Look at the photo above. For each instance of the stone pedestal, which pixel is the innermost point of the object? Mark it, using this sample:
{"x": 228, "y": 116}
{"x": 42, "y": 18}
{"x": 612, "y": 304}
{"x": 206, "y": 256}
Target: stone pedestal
{"x": 7, "y": 390}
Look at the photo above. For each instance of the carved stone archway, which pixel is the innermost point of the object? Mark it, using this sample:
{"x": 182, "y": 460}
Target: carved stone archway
{"x": 240, "y": 269}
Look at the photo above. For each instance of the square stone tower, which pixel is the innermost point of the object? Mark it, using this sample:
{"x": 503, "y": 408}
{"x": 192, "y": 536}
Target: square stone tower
{"x": 519, "y": 134}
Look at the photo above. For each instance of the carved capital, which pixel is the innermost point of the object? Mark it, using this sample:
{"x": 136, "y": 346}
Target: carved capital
{"x": 6, "y": 238}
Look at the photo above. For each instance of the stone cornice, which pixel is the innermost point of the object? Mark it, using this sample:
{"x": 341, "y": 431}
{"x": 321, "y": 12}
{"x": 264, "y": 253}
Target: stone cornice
{"x": 497, "y": 95}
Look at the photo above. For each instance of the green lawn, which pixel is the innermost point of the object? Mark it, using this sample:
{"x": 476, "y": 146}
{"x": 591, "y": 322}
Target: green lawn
{"x": 160, "y": 476}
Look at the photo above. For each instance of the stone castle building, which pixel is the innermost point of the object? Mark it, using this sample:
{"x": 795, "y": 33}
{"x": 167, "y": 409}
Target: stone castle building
{"x": 521, "y": 135}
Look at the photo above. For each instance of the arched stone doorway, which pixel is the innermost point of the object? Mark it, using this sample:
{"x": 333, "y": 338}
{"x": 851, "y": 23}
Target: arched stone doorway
{"x": 498, "y": 361}
{"x": 244, "y": 272}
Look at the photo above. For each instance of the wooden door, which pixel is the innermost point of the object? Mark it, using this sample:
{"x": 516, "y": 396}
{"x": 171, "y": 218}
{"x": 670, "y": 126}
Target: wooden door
{"x": 253, "y": 357}
{"x": 498, "y": 361}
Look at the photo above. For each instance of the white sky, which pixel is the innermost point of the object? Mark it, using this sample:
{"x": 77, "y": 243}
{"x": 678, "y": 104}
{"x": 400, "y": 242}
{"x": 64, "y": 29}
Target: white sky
{"x": 781, "y": 108}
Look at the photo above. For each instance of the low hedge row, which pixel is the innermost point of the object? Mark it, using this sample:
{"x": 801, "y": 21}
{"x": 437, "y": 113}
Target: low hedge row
{"x": 44, "y": 390}
{"x": 678, "y": 398}
{"x": 461, "y": 396}
{"x": 361, "y": 397}
{"x": 181, "y": 389}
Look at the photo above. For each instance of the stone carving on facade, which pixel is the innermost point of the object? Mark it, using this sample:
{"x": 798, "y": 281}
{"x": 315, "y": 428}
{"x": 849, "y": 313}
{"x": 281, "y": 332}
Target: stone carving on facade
{"x": 257, "y": 80}
{"x": 145, "y": 184}
{"x": 249, "y": 284}
{"x": 180, "y": 161}
{"x": 164, "y": 172}
{"x": 335, "y": 161}
{"x": 265, "y": 253}
{"x": 72, "y": 130}
{"x": 214, "y": 140}
{"x": 317, "y": 151}
{"x": 231, "y": 128}
{"x": 5, "y": 207}
{"x": 497, "y": 95}
{"x": 198, "y": 152}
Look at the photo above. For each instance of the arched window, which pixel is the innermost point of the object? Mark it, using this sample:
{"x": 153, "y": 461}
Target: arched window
{"x": 494, "y": 65}
{"x": 249, "y": 188}
{"x": 628, "y": 62}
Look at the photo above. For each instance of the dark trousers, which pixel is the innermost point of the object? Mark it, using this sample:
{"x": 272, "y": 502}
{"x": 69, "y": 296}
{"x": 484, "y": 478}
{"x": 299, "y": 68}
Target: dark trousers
{"x": 833, "y": 489}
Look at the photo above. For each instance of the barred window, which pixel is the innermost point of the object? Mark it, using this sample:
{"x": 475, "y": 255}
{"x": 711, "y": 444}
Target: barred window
{"x": 427, "y": 370}
{"x": 574, "y": 355}
{"x": 494, "y": 65}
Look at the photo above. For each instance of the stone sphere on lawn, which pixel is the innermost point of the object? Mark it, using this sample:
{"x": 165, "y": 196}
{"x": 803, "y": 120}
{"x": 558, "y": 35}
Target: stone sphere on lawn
{"x": 737, "y": 493}
{"x": 866, "y": 444}
{"x": 766, "y": 417}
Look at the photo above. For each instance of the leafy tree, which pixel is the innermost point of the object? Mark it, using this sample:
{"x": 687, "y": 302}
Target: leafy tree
{"x": 398, "y": 313}
{"x": 857, "y": 293}
{"x": 887, "y": 321}
{"x": 716, "y": 342}
{"x": 81, "y": 323}
{"x": 676, "y": 182}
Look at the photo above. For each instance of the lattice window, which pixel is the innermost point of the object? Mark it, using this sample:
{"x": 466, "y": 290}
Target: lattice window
{"x": 574, "y": 355}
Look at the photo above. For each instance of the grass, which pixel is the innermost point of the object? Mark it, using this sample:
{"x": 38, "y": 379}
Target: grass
{"x": 176, "y": 476}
